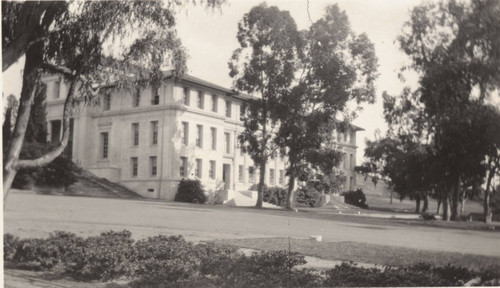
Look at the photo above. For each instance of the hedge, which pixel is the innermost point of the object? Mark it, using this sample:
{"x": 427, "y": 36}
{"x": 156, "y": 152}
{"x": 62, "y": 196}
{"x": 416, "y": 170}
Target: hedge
{"x": 171, "y": 261}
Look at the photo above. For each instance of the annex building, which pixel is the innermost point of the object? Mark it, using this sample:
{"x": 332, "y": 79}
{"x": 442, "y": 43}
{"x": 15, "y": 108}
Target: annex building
{"x": 149, "y": 141}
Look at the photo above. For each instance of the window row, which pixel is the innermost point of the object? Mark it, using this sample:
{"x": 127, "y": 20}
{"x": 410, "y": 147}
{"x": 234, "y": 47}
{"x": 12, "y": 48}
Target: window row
{"x": 199, "y": 137}
{"x": 200, "y": 102}
{"x": 153, "y": 131}
{"x": 136, "y": 99}
{"x": 153, "y": 166}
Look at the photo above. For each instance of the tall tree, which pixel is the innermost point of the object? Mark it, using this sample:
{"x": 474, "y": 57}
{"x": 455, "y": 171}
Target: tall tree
{"x": 454, "y": 47}
{"x": 10, "y": 115}
{"x": 337, "y": 66}
{"x": 263, "y": 67}
{"x": 72, "y": 39}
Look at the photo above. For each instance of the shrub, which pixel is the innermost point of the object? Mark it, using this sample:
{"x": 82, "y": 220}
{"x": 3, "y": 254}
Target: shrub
{"x": 59, "y": 173}
{"x": 103, "y": 257}
{"x": 275, "y": 195}
{"x": 10, "y": 244}
{"x": 308, "y": 197}
{"x": 190, "y": 191}
{"x": 163, "y": 259}
{"x": 43, "y": 254}
{"x": 356, "y": 198}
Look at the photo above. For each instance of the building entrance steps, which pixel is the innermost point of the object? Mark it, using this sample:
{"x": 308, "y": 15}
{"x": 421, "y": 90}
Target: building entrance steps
{"x": 247, "y": 199}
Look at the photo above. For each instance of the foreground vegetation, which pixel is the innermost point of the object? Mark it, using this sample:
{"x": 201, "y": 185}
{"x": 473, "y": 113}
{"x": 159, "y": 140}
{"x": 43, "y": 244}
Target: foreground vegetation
{"x": 163, "y": 261}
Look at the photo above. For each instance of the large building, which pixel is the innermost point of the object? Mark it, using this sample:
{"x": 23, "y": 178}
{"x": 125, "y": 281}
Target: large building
{"x": 149, "y": 141}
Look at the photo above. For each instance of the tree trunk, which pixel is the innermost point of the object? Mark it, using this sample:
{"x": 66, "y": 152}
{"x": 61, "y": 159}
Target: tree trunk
{"x": 426, "y": 203}
{"x": 455, "y": 192}
{"x": 438, "y": 204}
{"x": 12, "y": 162}
{"x": 390, "y": 202}
{"x": 446, "y": 212}
{"x": 290, "y": 194}
{"x": 417, "y": 206}
{"x": 487, "y": 194}
{"x": 30, "y": 81}
{"x": 462, "y": 204}
{"x": 262, "y": 177}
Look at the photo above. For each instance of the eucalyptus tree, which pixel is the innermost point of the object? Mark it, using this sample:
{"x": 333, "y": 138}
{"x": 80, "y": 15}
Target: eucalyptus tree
{"x": 264, "y": 66}
{"x": 77, "y": 40}
{"x": 454, "y": 48}
{"x": 337, "y": 66}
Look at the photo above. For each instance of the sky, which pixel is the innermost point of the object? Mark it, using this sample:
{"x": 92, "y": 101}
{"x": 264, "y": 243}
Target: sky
{"x": 210, "y": 38}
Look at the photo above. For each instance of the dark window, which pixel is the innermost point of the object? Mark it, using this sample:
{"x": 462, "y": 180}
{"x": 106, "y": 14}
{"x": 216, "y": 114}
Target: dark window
{"x": 199, "y": 136}
{"x": 155, "y": 97}
{"x": 137, "y": 98}
{"x": 214, "y": 103}
{"x": 154, "y": 132}
{"x": 135, "y": 166}
{"x": 213, "y": 132}
{"x": 185, "y": 133}
{"x": 105, "y": 144}
{"x": 106, "y": 105}
{"x": 199, "y": 166}
{"x": 211, "y": 172}
{"x": 201, "y": 99}
{"x": 135, "y": 134}
{"x": 153, "y": 164}
{"x": 183, "y": 167}
{"x": 186, "y": 96}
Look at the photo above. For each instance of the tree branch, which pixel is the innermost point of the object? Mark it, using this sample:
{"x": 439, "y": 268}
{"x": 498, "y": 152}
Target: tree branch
{"x": 50, "y": 156}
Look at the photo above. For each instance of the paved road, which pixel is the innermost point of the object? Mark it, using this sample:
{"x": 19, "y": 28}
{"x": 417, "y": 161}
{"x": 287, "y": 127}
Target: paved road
{"x": 34, "y": 215}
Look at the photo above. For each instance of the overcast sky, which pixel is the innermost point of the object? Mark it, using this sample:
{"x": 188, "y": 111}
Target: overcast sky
{"x": 210, "y": 38}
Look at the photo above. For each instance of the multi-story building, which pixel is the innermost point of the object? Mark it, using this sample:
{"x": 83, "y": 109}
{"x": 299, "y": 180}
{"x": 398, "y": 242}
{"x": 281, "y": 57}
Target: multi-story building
{"x": 150, "y": 141}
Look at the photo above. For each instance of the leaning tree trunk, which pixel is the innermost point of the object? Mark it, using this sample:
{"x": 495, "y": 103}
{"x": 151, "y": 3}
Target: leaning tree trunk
{"x": 12, "y": 162}
{"x": 290, "y": 193}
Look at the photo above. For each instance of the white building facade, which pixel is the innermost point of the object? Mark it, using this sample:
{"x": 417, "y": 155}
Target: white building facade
{"x": 149, "y": 141}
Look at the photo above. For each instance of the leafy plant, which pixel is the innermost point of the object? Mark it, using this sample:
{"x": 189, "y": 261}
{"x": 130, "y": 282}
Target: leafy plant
{"x": 356, "y": 198}
{"x": 308, "y": 197}
{"x": 190, "y": 191}
{"x": 275, "y": 195}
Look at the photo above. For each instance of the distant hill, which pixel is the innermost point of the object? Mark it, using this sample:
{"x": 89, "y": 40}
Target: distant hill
{"x": 381, "y": 190}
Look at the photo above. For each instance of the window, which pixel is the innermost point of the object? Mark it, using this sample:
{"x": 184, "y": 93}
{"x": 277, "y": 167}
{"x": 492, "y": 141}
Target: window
{"x": 55, "y": 134}
{"x": 271, "y": 177}
{"x": 135, "y": 166}
{"x": 228, "y": 109}
{"x": 105, "y": 144}
{"x": 183, "y": 167}
{"x": 227, "y": 142}
{"x": 154, "y": 165}
{"x": 339, "y": 136}
{"x": 186, "y": 96}
{"x": 214, "y": 103}
{"x": 251, "y": 174}
{"x": 185, "y": 133}
{"x": 282, "y": 177}
{"x": 351, "y": 160}
{"x": 213, "y": 133}
{"x": 242, "y": 111}
{"x": 201, "y": 100}
{"x": 211, "y": 172}
{"x": 199, "y": 136}
{"x": 135, "y": 134}
{"x": 136, "y": 101}
{"x": 198, "y": 168}
{"x": 106, "y": 103}
{"x": 154, "y": 132}
{"x": 282, "y": 153}
{"x": 155, "y": 96}
{"x": 345, "y": 160}
{"x": 240, "y": 173}
{"x": 345, "y": 137}
{"x": 57, "y": 88}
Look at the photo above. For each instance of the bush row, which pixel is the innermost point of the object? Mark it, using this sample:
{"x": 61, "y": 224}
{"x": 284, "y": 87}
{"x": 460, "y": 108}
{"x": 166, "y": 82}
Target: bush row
{"x": 163, "y": 261}
{"x": 304, "y": 197}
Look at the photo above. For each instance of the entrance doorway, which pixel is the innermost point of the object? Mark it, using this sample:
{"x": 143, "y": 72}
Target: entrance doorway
{"x": 226, "y": 176}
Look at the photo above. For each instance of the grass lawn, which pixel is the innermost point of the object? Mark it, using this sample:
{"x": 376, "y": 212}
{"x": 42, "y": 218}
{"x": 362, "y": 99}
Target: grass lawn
{"x": 366, "y": 253}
